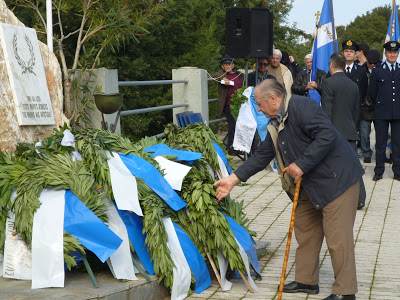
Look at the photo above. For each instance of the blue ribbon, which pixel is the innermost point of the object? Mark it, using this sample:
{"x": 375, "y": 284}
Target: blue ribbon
{"x": 162, "y": 149}
{"x": 221, "y": 154}
{"x": 153, "y": 178}
{"x": 261, "y": 119}
{"x": 91, "y": 232}
{"x": 194, "y": 260}
{"x": 134, "y": 226}
{"x": 245, "y": 240}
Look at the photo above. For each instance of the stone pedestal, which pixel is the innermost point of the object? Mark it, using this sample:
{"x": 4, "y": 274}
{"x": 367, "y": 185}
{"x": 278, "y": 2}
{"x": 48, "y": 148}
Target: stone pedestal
{"x": 10, "y": 132}
{"x": 194, "y": 93}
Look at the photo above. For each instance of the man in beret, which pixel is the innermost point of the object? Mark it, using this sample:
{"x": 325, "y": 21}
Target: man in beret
{"x": 384, "y": 91}
{"x": 373, "y": 59}
{"x": 226, "y": 76}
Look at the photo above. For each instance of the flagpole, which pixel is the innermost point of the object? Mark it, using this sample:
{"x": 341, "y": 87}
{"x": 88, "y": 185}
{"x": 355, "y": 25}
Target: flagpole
{"x": 333, "y": 26}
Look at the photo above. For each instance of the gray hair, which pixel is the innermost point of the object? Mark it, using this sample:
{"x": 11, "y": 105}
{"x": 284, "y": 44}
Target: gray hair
{"x": 268, "y": 87}
{"x": 277, "y": 52}
{"x": 308, "y": 56}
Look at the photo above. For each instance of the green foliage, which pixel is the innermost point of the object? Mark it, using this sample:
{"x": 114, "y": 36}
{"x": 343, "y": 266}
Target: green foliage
{"x": 370, "y": 28}
{"x": 237, "y": 100}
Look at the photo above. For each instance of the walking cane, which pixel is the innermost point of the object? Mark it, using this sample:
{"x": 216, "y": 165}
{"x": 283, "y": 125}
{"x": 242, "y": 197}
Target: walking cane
{"x": 289, "y": 239}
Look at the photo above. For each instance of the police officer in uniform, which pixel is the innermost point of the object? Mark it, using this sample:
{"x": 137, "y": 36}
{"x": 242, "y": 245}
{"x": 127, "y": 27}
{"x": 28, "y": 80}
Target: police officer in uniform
{"x": 356, "y": 73}
{"x": 384, "y": 90}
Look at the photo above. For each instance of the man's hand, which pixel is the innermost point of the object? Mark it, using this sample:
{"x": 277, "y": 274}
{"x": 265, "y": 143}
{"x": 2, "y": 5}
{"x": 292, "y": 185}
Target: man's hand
{"x": 311, "y": 85}
{"x": 291, "y": 59}
{"x": 225, "y": 185}
{"x": 226, "y": 80}
{"x": 294, "y": 171}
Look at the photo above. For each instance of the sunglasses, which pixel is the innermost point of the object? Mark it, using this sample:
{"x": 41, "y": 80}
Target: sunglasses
{"x": 263, "y": 64}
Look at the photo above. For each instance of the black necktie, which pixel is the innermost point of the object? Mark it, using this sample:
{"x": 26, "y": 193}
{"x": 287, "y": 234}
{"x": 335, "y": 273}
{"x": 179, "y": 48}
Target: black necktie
{"x": 392, "y": 70}
{"x": 348, "y": 69}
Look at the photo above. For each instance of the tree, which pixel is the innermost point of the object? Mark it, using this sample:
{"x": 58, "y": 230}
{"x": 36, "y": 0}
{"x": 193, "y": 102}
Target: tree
{"x": 370, "y": 28}
{"x": 89, "y": 26}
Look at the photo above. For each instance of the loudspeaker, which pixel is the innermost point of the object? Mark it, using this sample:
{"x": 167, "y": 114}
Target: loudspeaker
{"x": 249, "y": 32}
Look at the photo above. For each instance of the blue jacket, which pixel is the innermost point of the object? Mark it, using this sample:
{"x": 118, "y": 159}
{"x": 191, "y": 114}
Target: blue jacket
{"x": 385, "y": 92}
{"x": 310, "y": 140}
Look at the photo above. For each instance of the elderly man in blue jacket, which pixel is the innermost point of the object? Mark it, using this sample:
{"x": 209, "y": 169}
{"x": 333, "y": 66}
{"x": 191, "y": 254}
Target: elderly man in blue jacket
{"x": 303, "y": 139}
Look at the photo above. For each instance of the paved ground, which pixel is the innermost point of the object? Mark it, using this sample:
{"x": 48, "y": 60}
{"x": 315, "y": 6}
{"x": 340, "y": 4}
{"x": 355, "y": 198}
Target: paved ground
{"x": 376, "y": 231}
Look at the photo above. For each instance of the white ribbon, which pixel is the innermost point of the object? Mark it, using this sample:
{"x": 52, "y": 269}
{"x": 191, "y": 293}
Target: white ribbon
{"x": 1, "y": 265}
{"x": 223, "y": 267}
{"x": 174, "y": 172}
{"x": 47, "y": 241}
{"x": 182, "y": 274}
{"x": 124, "y": 185}
{"x": 222, "y": 167}
{"x": 17, "y": 261}
{"x": 245, "y": 259}
{"x": 245, "y": 128}
{"x": 69, "y": 140}
{"x": 120, "y": 262}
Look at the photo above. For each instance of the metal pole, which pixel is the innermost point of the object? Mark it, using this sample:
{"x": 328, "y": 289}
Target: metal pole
{"x": 49, "y": 22}
{"x": 256, "y": 82}
{"x": 247, "y": 72}
{"x": 335, "y": 46}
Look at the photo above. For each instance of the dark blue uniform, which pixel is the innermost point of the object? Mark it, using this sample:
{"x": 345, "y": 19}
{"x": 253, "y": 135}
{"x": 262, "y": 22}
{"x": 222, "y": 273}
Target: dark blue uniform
{"x": 384, "y": 90}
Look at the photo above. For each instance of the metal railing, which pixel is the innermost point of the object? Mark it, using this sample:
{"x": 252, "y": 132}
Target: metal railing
{"x": 150, "y": 82}
{"x": 164, "y": 107}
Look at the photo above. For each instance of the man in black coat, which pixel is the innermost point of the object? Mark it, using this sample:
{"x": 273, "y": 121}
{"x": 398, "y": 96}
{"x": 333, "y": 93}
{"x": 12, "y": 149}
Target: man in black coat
{"x": 353, "y": 70}
{"x": 356, "y": 73}
{"x": 340, "y": 101}
{"x": 384, "y": 90}
{"x": 303, "y": 82}
{"x": 367, "y": 106}
{"x": 303, "y": 139}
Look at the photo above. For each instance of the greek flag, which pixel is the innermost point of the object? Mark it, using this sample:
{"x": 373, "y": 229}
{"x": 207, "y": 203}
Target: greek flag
{"x": 393, "y": 32}
{"x": 325, "y": 44}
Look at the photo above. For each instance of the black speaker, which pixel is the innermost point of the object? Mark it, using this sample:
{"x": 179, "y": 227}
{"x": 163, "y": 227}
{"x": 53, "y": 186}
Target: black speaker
{"x": 249, "y": 32}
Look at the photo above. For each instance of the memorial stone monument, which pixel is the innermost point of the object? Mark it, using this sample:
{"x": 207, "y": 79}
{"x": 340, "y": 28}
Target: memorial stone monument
{"x": 31, "y": 97}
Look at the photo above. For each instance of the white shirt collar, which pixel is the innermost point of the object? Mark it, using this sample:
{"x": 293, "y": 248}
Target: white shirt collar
{"x": 351, "y": 66}
{"x": 390, "y": 65}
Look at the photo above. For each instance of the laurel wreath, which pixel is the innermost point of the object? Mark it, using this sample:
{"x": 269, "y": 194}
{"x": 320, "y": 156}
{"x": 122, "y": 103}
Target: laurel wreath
{"x": 26, "y": 66}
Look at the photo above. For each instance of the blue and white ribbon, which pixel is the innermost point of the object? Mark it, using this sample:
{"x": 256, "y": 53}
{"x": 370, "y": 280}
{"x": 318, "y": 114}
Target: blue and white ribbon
{"x": 174, "y": 172}
{"x": 162, "y": 149}
{"x": 120, "y": 262}
{"x": 223, "y": 158}
{"x": 181, "y": 270}
{"x": 195, "y": 260}
{"x": 134, "y": 226}
{"x": 153, "y": 178}
{"x": 245, "y": 240}
{"x": 123, "y": 184}
{"x": 91, "y": 232}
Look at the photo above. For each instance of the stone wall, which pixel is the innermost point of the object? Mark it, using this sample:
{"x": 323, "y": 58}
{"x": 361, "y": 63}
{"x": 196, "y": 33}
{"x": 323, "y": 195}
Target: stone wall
{"x": 10, "y": 132}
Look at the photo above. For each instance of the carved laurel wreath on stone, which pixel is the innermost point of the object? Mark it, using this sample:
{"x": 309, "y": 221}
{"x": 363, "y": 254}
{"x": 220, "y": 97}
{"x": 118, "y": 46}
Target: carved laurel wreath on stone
{"x": 26, "y": 66}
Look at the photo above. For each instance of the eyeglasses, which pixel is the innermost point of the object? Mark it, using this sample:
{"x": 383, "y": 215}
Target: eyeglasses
{"x": 263, "y": 64}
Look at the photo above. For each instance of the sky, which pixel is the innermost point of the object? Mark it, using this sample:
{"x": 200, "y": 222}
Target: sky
{"x": 345, "y": 11}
